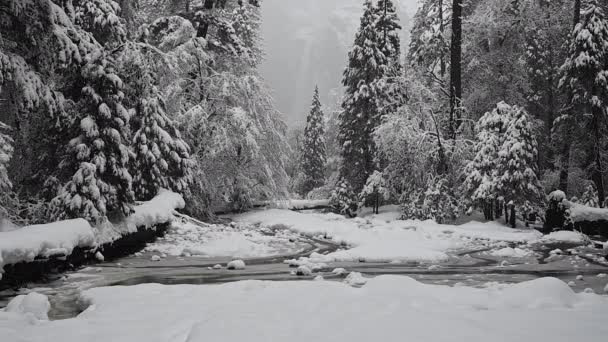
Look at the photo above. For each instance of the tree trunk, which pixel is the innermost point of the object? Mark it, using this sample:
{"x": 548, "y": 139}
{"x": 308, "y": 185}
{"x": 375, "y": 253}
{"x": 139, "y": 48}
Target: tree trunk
{"x": 455, "y": 68}
{"x": 497, "y": 209}
{"x": 506, "y": 212}
{"x": 441, "y": 29}
{"x": 512, "y": 219}
{"x": 598, "y": 175}
{"x": 203, "y": 28}
{"x": 565, "y": 155}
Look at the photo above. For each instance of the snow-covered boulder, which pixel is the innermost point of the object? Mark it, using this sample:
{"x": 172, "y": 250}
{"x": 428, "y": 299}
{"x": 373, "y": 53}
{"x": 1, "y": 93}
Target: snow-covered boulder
{"x": 303, "y": 271}
{"x": 99, "y": 256}
{"x": 339, "y": 271}
{"x": 355, "y": 279}
{"x": 236, "y": 265}
{"x": 33, "y": 304}
{"x": 155, "y": 258}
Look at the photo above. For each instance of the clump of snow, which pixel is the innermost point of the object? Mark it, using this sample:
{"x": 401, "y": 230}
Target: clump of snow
{"x": 155, "y": 258}
{"x": 303, "y": 271}
{"x": 99, "y": 256}
{"x": 433, "y": 267}
{"x": 556, "y": 196}
{"x": 588, "y": 290}
{"x": 564, "y": 236}
{"x": 509, "y": 252}
{"x": 355, "y": 279}
{"x": 319, "y": 278}
{"x": 601, "y": 275}
{"x": 33, "y": 304}
{"x": 571, "y": 283}
{"x": 339, "y": 271}
{"x": 579, "y": 277}
{"x": 217, "y": 267}
{"x": 556, "y": 251}
{"x": 236, "y": 265}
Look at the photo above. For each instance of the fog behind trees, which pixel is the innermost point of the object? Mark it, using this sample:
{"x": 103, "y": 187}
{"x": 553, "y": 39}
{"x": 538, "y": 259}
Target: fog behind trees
{"x": 307, "y": 43}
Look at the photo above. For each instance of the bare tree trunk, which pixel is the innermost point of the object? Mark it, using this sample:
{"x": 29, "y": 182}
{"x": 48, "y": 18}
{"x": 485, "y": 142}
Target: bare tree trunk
{"x": 512, "y": 216}
{"x": 203, "y": 29}
{"x": 567, "y": 143}
{"x": 455, "y": 68}
{"x": 598, "y": 175}
{"x": 441, "y": 30}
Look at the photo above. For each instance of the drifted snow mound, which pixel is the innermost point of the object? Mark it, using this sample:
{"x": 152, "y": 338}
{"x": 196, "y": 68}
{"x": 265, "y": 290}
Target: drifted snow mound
{"x": 33, "y": 304}
{"x": 236, "y": 265}
{"x": 564, "y": 236}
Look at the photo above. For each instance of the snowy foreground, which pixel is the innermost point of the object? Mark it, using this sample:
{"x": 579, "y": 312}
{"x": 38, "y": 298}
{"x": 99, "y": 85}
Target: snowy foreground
{"x": 387, "y": 308}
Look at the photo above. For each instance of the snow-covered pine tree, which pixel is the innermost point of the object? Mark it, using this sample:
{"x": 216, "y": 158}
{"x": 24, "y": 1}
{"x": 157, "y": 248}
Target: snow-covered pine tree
{"x": 161, "y": 157}
{"x": 429, "y": 44}
{"x": 589, "y": 197}
{"x": 518, "y": 162}
{"x": 101, "y": 18}
{"x": 387, "y": 26}
{"x": 586, "y": 78}
{"x": 375, "y": 191}
{"x": 361, "y": 115}
{"x": 505, "y": 165}
{"x": 481, "y": 182}
{"x": 343, "y": 199}
{"x": 101, "y": 183}
{"x": 313, "y": 147}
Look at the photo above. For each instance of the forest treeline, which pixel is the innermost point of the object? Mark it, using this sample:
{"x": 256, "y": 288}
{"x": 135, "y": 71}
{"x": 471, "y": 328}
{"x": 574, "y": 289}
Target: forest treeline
{"x": 494, "y": 105}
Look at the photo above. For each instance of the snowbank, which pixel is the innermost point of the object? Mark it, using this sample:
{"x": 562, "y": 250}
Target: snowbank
{"x": 158, "y": 210}
{"x": 44, "y": 240}
{"x": 579, "y": 212}
{"x": 386, "y": 308}
{"x": 383, "y": 239}
{"x": 60, "y": 238}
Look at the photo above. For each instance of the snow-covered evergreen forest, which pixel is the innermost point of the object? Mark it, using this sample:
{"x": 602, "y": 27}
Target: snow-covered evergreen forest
{"x": 492, "y": 106}
{"x": 105, "y": 102}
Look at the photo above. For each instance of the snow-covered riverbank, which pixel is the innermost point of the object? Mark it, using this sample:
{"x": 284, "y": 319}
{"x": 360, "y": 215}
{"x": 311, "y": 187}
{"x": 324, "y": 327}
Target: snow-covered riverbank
{"x": 387, "y": 308}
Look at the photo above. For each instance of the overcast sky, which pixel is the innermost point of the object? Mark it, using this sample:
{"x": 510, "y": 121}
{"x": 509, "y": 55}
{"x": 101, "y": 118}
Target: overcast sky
{"x": 306, "y": 43}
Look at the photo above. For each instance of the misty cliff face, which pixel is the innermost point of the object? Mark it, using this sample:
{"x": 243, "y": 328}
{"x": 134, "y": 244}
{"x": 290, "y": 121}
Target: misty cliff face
{"x": 307, "y": 43}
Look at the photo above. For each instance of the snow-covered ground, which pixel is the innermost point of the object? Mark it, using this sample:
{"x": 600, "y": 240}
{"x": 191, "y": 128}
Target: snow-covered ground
{"x": 384, "y": 238}
{"x": 186, "y": 238}
{"x": 385, "y": 308}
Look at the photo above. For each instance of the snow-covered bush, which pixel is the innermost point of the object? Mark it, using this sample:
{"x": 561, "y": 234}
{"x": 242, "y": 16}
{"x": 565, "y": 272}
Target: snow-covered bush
{"x": 343, "y": 199}
{"x": 375, "y": 191}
